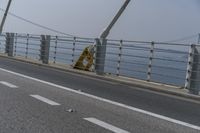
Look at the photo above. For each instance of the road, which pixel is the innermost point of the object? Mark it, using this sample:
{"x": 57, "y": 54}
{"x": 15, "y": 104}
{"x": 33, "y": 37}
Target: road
{"x": 39, "y": 99}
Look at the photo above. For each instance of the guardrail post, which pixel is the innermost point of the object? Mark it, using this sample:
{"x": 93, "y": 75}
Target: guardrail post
{"x": 120, "y": 57}
{"x": 193, "y": 71}
{"x": 150, "y": 61}
{"x": 55, "y": 49}
{"x": 94, "y": 56}
{"x": 189, "y": 67}
{"x": 9, "y": 49}
{"x": 15, "y": 43}
{"x": 100, "y": 56}
{"x": 73, "y": 49}
{"x": 27, "y": 43}
{"x": 45, "y": 47}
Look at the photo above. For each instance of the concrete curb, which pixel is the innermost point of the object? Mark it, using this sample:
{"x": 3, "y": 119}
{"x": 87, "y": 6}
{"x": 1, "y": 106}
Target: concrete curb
{"x": 157, "y": 87}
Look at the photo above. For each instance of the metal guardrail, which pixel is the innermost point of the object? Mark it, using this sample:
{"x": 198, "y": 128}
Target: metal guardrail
{"x": 67, "y": 50}
{"x": 167, "y": 63}
{"x": 151, "y": 61}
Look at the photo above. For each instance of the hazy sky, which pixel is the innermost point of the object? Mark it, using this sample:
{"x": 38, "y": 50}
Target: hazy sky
{"x": 158, "y": 20}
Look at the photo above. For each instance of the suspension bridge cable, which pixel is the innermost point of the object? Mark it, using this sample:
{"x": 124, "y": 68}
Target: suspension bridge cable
{"x": 36, "y": 24}
{"x": 183, "y": 38}
{"x": 70, "y": 35}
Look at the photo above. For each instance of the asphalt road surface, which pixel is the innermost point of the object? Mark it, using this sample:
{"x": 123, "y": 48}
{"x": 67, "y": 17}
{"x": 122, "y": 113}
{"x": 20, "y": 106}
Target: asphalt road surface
{"x": 36, "y": 99}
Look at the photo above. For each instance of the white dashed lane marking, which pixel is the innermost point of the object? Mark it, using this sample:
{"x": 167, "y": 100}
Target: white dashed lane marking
{"x": 8, "y": 84}
{"x": 106, "y": 125}
{"x": 43, "y": 99}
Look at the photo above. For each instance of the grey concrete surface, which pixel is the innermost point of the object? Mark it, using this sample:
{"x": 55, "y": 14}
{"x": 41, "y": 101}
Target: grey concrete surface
{"x": 51, "y": 119}
{"x": 22, "y": 113}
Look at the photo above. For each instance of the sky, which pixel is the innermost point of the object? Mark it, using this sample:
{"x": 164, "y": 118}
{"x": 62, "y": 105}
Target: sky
{"x": 144, "y": 20}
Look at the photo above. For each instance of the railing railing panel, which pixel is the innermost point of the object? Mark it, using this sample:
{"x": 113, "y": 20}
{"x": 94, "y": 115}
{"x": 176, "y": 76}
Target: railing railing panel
{"x": 151, "y": 61}
{"x": 170, "y": 63}
{"x": 26, "y": 45}
{"x": 67, "y": 50}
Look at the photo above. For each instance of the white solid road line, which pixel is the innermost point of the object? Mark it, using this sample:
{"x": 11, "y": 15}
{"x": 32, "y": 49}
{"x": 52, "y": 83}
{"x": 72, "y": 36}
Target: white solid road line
{"x": 43, "y": 99}
{"x": 106, "y": 125}
{"x": 8, "y": 84}
{"x": 107, "y": 101}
